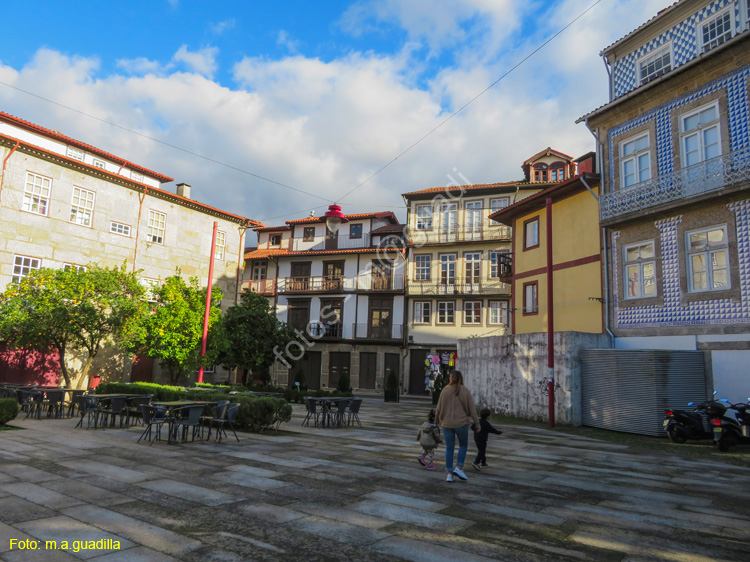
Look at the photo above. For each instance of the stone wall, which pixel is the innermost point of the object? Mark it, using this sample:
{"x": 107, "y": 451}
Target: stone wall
{"x": 504, "y": 373}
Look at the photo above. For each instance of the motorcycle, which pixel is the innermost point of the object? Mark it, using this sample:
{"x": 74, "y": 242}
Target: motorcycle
{"x": 730, "y": 432}
{"x": 682, "y": 425}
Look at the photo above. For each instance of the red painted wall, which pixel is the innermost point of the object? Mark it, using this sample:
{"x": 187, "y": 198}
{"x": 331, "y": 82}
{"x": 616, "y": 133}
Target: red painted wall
{"x": 20, "y": 366}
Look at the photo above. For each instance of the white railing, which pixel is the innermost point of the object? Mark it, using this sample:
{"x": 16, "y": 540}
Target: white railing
{"x": 341, "y": 242}
{"x": 705, "y": 177}
{"x": 486, "y": 230}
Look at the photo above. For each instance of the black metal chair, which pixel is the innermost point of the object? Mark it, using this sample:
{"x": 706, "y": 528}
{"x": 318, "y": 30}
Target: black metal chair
{"x": 134, "y": 407}
{"x": 89, "y": 408}
{"x": 186, "y": 418}
{"x": 312, "y": 411}
{"x": 338, "y": 415}
{"x": 117, "y": 407}
{"x": 152, "y": 417}
{"x": 228, "y": 420}
{"x": 353, "y": 411}
{"x": 219, "y": 412}
{"x": 53, "y": 403}
{"x": 30, "y": 401}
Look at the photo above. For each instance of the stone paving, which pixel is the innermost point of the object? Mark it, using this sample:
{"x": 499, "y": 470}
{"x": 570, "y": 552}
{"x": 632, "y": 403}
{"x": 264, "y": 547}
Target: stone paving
{"x": 359, "y": 494}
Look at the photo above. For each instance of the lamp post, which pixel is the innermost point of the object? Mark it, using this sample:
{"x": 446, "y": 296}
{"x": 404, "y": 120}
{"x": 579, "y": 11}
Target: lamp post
{"x": 335, "y": 218}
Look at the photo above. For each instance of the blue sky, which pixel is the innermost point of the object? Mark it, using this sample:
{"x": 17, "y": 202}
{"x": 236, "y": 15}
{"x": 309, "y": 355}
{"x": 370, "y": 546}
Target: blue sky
{"x": 314, "y": 95}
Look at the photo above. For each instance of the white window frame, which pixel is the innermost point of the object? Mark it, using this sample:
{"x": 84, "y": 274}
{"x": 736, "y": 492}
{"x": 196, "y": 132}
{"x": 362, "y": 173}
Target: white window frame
{"x": 82, "y": 204}
{"x": 423, "y": 309}
{"x": 449, "y": 218}
{"x": 272, "y": 236}
{"x": 652, "y": 56}
{"x": 708, "y": 252}
{"x": 528, "y": 242}
{"x": 684, "y": 135}
{"x": 22, "y": 266}
{"x": 100, "y": 164}
{"x": 221, "y": 244}
{"x": 37, "y": 192}
{"x": 136, "y": 176}
{"x": 157, "y": 227}
{"x": 641, "y": 264}
{"x": 149, "y": 284}
{"x": 473, "y": 260}
{"x": 745, "y": 14}
{"x": 75, "y": 153}
{"x": 472, "y": 313}
{"x": 444, "y": 310}
{"x": 120, "y": 229}
{"x": 67, "y": 266}
{"x": 423, "y": 272}
{"x": 425, "y": 221}
{"x": 260, "y": 270}
{"x": 635, "y": 158}
{"x": 713, "y": 18}
{"x": 494, "y": 207}
{"x": 500, "y": 308}
{"x": 531, "y": 301}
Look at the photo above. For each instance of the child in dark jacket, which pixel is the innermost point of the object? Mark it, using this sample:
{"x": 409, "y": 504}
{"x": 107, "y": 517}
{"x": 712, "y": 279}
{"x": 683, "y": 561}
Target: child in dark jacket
{"x": 481, "y": 436}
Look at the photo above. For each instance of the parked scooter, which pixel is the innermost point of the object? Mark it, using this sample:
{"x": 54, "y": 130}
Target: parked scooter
{"x": 729, "y": 432}
{"x": 682, "y": 425}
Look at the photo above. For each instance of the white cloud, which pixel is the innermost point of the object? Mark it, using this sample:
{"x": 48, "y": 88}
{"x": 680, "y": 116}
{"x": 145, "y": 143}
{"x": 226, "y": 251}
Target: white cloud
{"x": 325, "y": 126}
{"x": 285, "y": 40}
{"x": 222, "y": 26}
{"x": 202, "y": 62}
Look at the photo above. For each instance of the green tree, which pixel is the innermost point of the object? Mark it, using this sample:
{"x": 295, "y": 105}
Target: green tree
{"x": 71, "y": 309}
{"x": 173, "y": 331}
{"x": 254, "y": 335}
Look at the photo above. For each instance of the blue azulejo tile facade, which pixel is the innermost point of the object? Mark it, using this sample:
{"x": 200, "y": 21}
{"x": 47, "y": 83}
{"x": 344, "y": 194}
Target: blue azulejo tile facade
{"x": 735, "y": 85}
{"x": 673, "y": 313}
{"x": 683, "y": 39}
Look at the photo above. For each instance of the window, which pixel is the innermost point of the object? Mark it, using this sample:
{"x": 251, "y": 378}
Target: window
{"x": 423, "y": 312}
{"x": 82, "y": 206}
{"x": 716, "y": 31}
{"x": 449, "y": 218}
{"x": 149, "y": 285}
{"x": 68, "y": 266}
{"x": 99, "y": 163}
{"x": 493, "y": 265}
{"x": 355, "y": 230}
{"x": 446, "y": 312}
{"x": 424, "y": 217}
{"x": 498, "y": 313}
{"x": 531, "y": 234}
{"x": 119, "y": 228}
{"x": 136, "y": 176}
{"x": 260, "y": 269}
{"x": 36, "y": 194}
{"x": 540, "y": 172}
{"x": 472, "y": 312}
{"x": 156, "y": 223}
{"x": 308, "y": 234}
{"x": 447, "y": 269}
{"x": 74, "y": 153}
{"x": 530, "y": 303}
{"x": 422, "y": 268}
{"x": 655, "y": 64}
{"x": 635, "y": 161}
{"x": 221, "y": 243}
{"x": 500, "y": 203}
{"x": 557, "y": 171}
{"x": 699, "y": 135}
{"x": 473, "y": 219}
{"x": 473, "y": 268}
{"x": 640, "y": 270}
{"x": 708, "y": 259}
{"x": 275, "y": 239}
{"x": 22, "y": 266}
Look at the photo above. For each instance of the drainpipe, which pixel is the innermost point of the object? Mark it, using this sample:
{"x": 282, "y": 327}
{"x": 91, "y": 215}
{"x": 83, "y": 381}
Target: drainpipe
{"x": 138, "y": 226}
{"x": 208, "y": 299}
{"x": 610, "y": 78}
{"x": 550, "y": 319}
{"x": 5, "y": 163}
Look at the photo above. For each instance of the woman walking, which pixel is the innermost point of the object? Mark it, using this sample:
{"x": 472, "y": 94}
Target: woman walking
{"x": 455, "y": 412}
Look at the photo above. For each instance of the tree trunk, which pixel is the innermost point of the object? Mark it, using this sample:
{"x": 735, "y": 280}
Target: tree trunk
{"x": 63, "y": 366}
{"x": 85, "y": 371}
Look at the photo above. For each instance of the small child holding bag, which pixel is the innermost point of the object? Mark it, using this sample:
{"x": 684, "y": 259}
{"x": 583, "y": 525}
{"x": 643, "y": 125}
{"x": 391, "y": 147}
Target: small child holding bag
{"x": 429, "y": 437}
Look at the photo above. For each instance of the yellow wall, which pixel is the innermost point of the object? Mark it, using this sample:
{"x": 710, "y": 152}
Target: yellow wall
{"x": 527, "y": 260}
{"x": 575, "y": 228}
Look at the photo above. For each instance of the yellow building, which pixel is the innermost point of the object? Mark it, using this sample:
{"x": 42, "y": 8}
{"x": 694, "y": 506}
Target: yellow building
{"x": 573, "y": 253}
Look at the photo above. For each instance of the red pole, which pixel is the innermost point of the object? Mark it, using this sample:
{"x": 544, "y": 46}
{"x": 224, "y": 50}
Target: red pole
{"x": 208, "y": 299}
{"x": 550, "y": 320}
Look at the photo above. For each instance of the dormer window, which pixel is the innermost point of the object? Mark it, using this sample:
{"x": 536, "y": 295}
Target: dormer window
{"x": 716, "y": 31}
{"x": 275, "y": 240}
{"x": 540, "y": 172}
{"x": 557, "y": 171}
{"x": 74, "y": 153}
{"x": 655, "y": 64}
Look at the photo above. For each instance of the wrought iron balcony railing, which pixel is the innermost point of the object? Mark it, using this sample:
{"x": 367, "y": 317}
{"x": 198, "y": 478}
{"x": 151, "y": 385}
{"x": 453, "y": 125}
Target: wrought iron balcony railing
{"x": 326, "y": 284}
{"x": 487, "y": 230}
{"x": 366, "y": 331}
{"x": 685, "y": 183}
{"x": 458, "y": 287}
{"x": 319, "y": 330}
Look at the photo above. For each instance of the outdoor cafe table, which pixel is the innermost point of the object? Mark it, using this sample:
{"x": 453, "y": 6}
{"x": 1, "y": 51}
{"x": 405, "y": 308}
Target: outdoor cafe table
{"x": 172, "y": 405}
{"x": 325, "y": 402}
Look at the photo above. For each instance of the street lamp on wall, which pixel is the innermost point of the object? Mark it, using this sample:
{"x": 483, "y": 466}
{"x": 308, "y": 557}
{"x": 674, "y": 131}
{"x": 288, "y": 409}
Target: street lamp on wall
{"x": 335, "y": 218}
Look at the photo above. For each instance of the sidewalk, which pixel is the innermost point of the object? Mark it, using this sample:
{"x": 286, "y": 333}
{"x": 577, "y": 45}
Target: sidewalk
{"x": 360, "y": 494}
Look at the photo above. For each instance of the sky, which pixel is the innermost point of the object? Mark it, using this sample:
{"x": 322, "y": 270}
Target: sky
{"x": 271, "y": 110}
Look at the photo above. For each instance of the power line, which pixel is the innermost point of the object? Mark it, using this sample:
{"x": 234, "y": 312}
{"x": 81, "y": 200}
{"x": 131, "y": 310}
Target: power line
{"x": 472, "y": 100}
{"x": 186, "y": 151}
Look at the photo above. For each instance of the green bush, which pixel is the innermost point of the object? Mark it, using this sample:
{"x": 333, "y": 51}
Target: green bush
{"x": 9, "y": 410}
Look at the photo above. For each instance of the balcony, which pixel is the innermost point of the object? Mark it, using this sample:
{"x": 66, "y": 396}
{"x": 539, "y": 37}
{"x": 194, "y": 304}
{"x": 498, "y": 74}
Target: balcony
{"x": 458, "y": 287}
{"x": 320, "y": 243}
{"x": 487, "y": 230}
{"x": 262, "y": 286}
{"x": 381, "y": 333}
{"x": 686, "y": 183}
{"x": 324, "y": 284}
{"x": 321, "y": 331}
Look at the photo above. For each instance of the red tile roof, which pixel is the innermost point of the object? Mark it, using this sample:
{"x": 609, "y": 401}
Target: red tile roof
{"x": 547, "y": 152}
{"x": 272, "y": 228}
{"x": 384, "y": 215}
{"x": 450, "y": 188}
{"x": 388, "y": 228}
{"x": 255, "y": 254}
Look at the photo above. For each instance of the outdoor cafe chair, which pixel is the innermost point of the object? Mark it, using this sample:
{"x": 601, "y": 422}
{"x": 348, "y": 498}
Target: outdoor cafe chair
{"x": 89, "y": 408}
{"x": 134, "y": 409}
{"x": 117, "y": 407}
{"x": 337, "y": 416}
{"x": 312, "y": 411}
{"x": 53, "y": 403}
{"x": 152, "y": 417}
{"x": 353, "y": 411}
{"x": 30, "y": 402}
{"x": 187, "y": 417}
{"x": 227, "y": 420}
{"x": 218, "y": 412}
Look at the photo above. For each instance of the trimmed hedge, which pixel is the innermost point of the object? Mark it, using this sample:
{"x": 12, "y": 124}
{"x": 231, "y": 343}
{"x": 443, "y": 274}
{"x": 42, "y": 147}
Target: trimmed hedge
{"x": 255, "y": 413}
{"x": 8, "y": 410}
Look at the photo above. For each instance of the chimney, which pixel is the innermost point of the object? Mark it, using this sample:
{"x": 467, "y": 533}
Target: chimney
{"x": 587, "y": 163}
{"x": 183, "y": 190}
{"x": 312, "y": 213}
